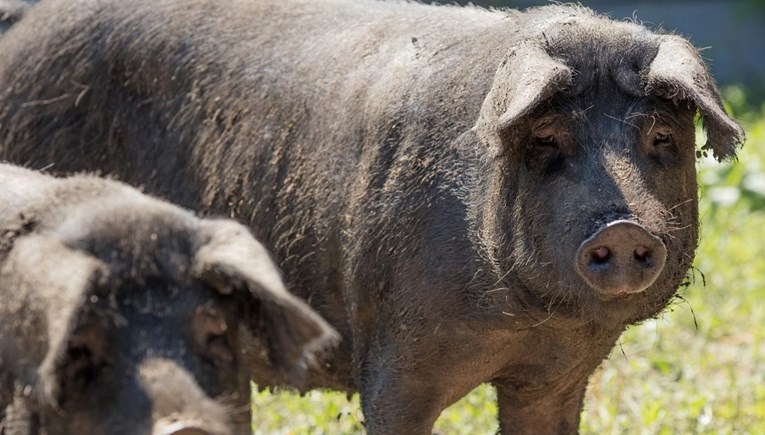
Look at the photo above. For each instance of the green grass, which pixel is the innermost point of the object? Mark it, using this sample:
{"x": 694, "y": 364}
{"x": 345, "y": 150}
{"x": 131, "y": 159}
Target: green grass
{"x": 680, "y": 373}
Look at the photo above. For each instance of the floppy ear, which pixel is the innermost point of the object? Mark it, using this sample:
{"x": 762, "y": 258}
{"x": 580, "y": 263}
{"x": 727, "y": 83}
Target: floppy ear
{"x": 526, "y": 78}
{"x": 677, "y": 73}
{"x": 232, "y": 261}
{"x": 57, "y": 282}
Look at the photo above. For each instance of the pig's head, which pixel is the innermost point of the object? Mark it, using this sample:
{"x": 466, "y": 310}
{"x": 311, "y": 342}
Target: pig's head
{"x": 592, "y": 209}
{"x": 144, "y": 321}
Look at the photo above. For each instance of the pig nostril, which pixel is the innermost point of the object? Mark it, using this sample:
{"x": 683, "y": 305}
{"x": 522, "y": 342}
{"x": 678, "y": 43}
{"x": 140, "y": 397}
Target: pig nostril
{"x": 600, "y": 256}
{"x": 643, "y": 255}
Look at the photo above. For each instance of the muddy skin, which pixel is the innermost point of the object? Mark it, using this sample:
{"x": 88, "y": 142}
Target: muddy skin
{"x": 424, "y": 175}
{"x": 121, "y": 313}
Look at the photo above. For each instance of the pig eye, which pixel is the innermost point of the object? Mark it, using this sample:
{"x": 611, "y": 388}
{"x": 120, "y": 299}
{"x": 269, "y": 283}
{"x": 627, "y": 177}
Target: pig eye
{"x": 85, "y": 360}
{"x": 210, "y": 330}
{"x": 82, "y": 368}
{"x": 545, "y": 155}
{"x": 547, "y": 140}
{"x": 549, "y": 145}
{"x": 547, "y": 133}
{"x": 660, "y": 144}
{"x": 662, "y": 139}
{"x": 219, "y": 349}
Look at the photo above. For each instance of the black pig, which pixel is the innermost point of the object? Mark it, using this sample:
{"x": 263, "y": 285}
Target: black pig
{"x": 467, "y": 195}
{"x": 120, "y": 313}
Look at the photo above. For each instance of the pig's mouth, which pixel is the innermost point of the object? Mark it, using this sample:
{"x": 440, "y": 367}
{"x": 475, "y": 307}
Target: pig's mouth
{"x": 620, "y": 259}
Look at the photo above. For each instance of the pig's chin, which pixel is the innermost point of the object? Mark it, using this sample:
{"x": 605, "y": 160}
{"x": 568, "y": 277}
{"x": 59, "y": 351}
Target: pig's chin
{"x": 564, "y": 291}
{"x": 625, "y": 307}
{"x": 567, "y": 294}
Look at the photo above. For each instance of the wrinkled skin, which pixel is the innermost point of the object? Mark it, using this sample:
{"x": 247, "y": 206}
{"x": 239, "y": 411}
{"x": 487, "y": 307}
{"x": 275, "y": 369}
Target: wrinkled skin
{"x": 121, "y": 314}
{"x": 423, "y": 174}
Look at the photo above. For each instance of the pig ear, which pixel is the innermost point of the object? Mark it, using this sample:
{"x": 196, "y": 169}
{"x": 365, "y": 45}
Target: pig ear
{"x": 526, "y": 78}
{"x": 62, "y": 280}
{"x": 232, "y": 261}
{"x": 677, "y": 73}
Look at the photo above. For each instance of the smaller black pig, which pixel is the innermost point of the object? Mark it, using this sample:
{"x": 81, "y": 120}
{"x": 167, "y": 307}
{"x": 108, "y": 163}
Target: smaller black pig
{"x": 120, "y": 313}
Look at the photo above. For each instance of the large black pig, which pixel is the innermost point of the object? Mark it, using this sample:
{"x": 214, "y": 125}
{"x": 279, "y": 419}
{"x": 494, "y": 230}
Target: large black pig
{"x": 121, "y": 313}
{"x": 467, "y": 195}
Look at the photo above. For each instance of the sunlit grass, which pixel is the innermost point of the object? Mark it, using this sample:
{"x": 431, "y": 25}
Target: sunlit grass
{"x": 679, "y": 373}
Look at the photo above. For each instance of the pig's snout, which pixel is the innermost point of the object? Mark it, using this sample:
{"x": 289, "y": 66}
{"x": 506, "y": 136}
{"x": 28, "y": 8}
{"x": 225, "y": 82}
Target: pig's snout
{"x": 621, "y": 258}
